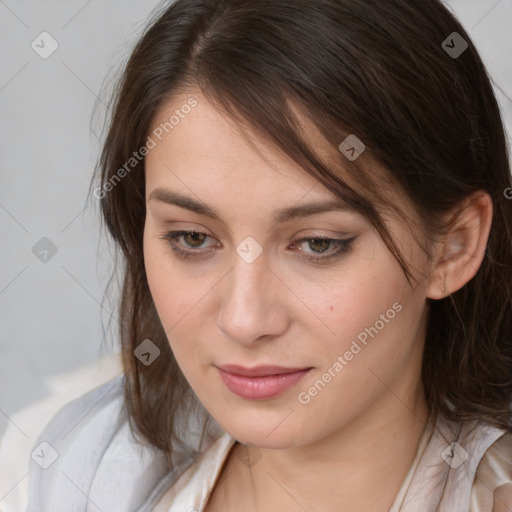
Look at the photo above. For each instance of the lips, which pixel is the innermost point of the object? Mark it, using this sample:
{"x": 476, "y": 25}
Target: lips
{"x": 261, "y": 382}
{"x": 259, "y": 371}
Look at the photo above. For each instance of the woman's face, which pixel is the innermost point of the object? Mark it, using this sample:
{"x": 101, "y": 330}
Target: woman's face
{"x": 290, "y": 321}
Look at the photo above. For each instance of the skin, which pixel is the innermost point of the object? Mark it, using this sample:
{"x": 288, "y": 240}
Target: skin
{"x": 503, "y": 498}
{"x": 336, "y": 451}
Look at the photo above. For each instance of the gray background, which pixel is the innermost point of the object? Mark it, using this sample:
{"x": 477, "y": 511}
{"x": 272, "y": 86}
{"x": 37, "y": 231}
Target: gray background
{"x": 50, "y": 313}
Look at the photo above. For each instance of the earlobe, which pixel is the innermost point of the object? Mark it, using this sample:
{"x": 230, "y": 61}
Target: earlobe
{"x": 463, "y": 247}
{"x": 437, "y": 288}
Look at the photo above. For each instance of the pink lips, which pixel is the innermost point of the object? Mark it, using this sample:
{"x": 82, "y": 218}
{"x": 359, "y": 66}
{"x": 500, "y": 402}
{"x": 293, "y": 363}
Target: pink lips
{"x": 261, "y": 382}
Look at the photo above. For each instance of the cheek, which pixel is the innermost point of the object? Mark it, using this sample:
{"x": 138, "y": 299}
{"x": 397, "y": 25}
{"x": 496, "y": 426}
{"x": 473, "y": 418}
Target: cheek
{"x": 178, "y": 297}
{"x": 354, "y": 299}
{"x": 166, "y": 287}
{"x": 172, "y": 291}
{"x": 366, "y": 359}
{"x": 372, "y": 318}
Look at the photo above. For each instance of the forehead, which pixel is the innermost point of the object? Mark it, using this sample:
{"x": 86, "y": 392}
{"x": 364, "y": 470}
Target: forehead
{"x": 207, "y": 146}
{"x": 202, "y": 152}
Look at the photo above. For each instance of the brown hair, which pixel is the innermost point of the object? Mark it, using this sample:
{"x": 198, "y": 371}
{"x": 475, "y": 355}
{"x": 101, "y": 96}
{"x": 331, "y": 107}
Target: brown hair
{"x": 373, "y": 68}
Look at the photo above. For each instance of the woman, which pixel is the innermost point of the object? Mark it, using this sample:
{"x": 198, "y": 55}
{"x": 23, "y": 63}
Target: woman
{"x": 310, "y": 198}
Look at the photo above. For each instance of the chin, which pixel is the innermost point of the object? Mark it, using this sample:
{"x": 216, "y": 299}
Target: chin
{"x": 273, "y": 433}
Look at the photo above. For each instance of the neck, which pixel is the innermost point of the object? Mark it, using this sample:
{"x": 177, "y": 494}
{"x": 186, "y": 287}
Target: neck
{"x": 361, "y": 466}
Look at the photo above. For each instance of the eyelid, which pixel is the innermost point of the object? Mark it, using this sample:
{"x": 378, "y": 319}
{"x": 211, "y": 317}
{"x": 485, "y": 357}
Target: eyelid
{"x": 343, "y": 246}
{"x": 175, "y": 234}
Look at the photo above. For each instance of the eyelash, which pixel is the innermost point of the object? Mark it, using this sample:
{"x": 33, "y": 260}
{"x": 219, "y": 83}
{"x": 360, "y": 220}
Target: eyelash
{"x": 343, "y": 246}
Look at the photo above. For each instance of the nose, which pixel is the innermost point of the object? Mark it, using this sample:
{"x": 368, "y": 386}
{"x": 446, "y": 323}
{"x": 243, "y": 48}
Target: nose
{"x": 252, "y": 305}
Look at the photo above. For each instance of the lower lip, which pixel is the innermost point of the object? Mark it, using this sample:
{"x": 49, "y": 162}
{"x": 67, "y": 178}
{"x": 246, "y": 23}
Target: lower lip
{"x": 261, "y": 388}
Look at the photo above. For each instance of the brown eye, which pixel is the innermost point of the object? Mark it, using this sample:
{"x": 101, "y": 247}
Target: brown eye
{"x": 320, "y": 244}
{"x": 194, "y": 239}
{"x": 188, "y": 244}
{"x": 323, "y": 250}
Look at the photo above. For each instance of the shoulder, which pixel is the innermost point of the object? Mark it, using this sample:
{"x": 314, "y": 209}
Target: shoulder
{"x": 446, "y": 475}
{"x": 86, "y": 450}
{"x": 25, "y": 425}
{"x": 492, "y": 486}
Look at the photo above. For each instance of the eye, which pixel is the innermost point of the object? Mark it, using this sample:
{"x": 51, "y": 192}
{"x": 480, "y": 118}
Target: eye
{"x": 323, "y": 249}
{"x": 320, "y": 248}
{"x": 192, "y": 240}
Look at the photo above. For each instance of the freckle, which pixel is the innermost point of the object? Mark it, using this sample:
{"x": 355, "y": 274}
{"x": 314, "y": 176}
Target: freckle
{"x": 331, "y": 308}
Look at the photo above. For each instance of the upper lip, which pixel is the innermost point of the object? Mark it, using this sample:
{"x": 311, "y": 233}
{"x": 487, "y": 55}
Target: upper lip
{"x": 258, "y": 371}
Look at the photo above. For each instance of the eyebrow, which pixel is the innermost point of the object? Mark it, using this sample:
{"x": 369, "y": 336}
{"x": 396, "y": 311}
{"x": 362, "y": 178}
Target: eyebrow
{"x": 279, "y": 216}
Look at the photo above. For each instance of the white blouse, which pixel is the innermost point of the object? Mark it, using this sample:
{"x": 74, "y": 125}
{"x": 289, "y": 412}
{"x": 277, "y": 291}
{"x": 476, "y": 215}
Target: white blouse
{"x": 431, "y": 483}
{"x": 99, "y": 465}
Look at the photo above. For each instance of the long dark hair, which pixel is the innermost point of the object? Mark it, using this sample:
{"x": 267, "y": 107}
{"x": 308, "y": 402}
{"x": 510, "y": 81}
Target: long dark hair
{"x": 378, "y": 69}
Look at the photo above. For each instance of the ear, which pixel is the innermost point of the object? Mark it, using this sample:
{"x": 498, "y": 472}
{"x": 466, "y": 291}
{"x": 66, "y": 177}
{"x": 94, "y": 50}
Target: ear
{"x": 461, "y": 250}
